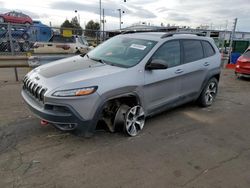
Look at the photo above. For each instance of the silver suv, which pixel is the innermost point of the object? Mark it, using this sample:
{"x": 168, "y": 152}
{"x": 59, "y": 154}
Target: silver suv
{"x": 123, "y": 81}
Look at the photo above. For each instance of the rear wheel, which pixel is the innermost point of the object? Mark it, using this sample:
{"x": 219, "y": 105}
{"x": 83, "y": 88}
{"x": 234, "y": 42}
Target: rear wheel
{"x": 25, "y": 36}
{"x": 26, "y": 46}
{"x": 209, "y": 93}
{"x": 16, "y": 47}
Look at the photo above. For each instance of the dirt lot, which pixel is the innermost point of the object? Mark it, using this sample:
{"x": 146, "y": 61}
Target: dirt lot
{"x": 184, "y": 147}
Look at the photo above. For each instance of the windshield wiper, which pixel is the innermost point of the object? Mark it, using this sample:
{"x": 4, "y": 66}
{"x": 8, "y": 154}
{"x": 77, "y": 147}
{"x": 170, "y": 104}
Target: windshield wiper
{"x": 98, "y": 60}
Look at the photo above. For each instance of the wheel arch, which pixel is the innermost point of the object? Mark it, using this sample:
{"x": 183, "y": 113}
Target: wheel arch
{"x": 213, "y": 74}
{"x": 114, "y": 102}
{"x": 127, "y": 98}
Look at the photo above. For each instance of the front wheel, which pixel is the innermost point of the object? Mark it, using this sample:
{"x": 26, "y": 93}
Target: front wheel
{"x": 130, "y": 119}
{"x": 209, "y": 93}
{"x": 134, "y": 120}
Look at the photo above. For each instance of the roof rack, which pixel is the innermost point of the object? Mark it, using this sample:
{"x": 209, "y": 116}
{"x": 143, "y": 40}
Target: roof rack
{"x": 136, "y": 31}
{"x": 179, "y": 33}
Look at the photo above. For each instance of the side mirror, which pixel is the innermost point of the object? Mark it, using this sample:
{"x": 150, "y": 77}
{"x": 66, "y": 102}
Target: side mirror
{"x": 156, "y": 64}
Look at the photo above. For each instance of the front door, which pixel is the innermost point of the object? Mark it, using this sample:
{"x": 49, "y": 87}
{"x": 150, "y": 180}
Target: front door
{"x": 162, "y": 87}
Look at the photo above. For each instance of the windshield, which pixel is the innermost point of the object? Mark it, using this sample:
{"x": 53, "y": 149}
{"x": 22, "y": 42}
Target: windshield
{"x": 83, "y": 41}
{"x": 122, "y": 51}
{"x": 61, "y": 39}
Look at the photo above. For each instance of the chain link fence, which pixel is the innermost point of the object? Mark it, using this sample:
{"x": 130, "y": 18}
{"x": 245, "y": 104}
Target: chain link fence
{"x": 14, "y": 39}
{"x": 19, "y": 39}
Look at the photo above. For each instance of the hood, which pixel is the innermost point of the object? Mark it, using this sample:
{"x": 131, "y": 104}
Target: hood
{"x": 74, "y": 69}
{"x": 67, "y": 65}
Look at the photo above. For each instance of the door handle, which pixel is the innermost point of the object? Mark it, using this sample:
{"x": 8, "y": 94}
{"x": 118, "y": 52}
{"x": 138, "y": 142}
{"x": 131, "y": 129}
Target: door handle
{"x": 178, "y": 71}
{"x": 206, "y": 64}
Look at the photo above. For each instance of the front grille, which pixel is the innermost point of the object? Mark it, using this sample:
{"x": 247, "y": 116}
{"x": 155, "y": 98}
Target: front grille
{"x": 34, "y": 89}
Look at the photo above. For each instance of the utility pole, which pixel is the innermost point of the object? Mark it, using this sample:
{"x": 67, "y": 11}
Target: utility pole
{"x": 120, "y": 16}
{"x": 103, "y": 21}
{"x": 225, "y": 30}
{"x": 78, "y": 17}
{"x": 100, "y": 6}
{"x": 232, "y": 37}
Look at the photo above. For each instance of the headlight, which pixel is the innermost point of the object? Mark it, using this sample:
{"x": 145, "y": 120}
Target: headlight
{"x": 75, "y": 92}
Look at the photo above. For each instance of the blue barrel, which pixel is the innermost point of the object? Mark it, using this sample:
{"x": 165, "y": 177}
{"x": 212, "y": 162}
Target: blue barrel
{"x": 234, "y": 57}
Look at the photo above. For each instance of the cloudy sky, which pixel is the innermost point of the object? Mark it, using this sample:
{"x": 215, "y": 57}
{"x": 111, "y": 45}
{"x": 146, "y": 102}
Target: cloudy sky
{"x": 217, "y": 14}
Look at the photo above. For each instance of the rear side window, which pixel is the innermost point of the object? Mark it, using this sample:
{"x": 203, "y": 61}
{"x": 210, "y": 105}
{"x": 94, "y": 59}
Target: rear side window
{"x": 208, "y": 49}
{"x": 193, "y": 50}
{"x": 247, "y": 54}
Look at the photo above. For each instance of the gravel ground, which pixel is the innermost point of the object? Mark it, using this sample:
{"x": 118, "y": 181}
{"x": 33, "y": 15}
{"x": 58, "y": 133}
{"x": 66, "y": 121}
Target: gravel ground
{"x": 184, "y": 147}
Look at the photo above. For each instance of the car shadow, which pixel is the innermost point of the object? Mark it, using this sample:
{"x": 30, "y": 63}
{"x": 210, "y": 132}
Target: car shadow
{"x": 244, "y": 79}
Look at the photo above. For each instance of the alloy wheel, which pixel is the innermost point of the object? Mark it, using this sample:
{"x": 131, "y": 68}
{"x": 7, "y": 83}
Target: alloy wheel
{"x": 210, "y": 93}
{"x": 134, "y": 120}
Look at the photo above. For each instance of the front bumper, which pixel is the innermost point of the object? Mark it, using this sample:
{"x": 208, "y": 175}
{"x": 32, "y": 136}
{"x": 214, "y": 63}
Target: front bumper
{"x": 63, "y": 117}
{"x": 242, "y": 72}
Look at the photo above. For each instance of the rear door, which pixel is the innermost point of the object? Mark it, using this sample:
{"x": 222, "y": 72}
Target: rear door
{"x": 162, "y": 87}
{"x": 194, "y": 67}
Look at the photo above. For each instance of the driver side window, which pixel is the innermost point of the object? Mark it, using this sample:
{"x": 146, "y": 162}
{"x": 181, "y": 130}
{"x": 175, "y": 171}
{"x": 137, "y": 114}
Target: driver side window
{"x": 170, "y": 53}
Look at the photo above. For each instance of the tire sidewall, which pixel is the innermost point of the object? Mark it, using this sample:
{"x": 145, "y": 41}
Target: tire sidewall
{"x": 202, "y": 100}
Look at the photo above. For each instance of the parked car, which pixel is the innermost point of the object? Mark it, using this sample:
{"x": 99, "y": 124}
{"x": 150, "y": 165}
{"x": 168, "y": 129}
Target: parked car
{"x": 41, "y": 59}
{"x": 16, "y": 32}
{"x": 19, "y": 37}
{"x": 15, "y": 17}
{"x": 41, "y": 32}
{"x": 242, "y": 68}
{"x": 60, "y": 44}
{"x": 124, "y": 80}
